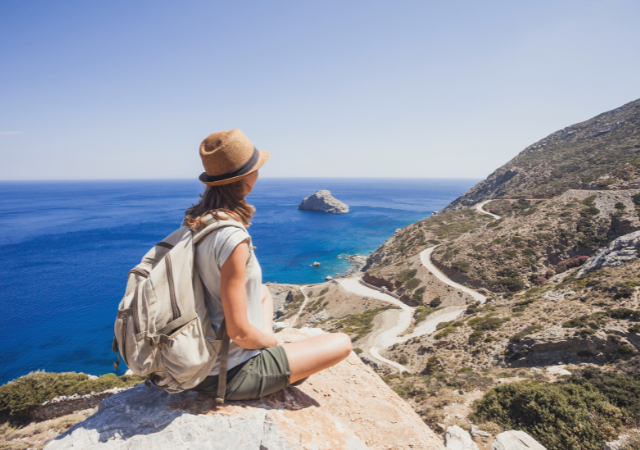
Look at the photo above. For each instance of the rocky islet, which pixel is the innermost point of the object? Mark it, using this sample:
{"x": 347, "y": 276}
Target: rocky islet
{"x": 323, "y": 201}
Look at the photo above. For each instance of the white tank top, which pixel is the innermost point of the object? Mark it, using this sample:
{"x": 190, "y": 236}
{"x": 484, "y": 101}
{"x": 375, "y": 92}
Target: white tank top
{"x": 210, "y": 255}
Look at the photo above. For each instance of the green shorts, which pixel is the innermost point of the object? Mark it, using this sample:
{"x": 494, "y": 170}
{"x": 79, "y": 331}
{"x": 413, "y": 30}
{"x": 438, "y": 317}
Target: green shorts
{"x": 264, "y": 374}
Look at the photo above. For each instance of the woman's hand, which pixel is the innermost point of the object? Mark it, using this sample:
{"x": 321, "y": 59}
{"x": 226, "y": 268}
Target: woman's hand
{"x": 234, "y": 302}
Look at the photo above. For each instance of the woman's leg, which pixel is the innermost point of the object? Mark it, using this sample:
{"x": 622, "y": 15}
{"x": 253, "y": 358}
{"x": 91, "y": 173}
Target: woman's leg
{"x": 312, "y": 355}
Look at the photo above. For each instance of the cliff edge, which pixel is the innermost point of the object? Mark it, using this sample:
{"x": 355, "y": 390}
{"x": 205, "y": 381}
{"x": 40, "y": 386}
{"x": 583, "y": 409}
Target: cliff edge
{"x": 345, "y": 407}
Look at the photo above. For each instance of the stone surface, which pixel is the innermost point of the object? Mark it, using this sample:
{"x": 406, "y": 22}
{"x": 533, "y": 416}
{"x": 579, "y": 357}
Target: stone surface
{"x": 516, "y": 440}
{"x": 622, "y": 249}
{"x": 345, "y": 407}
{"x": 323, "y": 201}
{"x": 457, "y": 439}
{"x": 556, "y": 343}
{"x": 478, "y": 433}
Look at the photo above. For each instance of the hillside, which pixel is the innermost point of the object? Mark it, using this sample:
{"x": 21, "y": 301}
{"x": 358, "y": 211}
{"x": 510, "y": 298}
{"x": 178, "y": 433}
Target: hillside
{"x": 600, "y": 153}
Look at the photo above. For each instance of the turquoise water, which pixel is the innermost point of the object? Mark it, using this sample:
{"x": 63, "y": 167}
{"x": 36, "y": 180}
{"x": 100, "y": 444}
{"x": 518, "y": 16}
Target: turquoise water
{"x": 66, "y": 248}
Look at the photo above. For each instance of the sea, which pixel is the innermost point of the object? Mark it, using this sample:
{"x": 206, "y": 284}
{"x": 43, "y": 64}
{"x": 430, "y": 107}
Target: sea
{"x": 66, "y": 248}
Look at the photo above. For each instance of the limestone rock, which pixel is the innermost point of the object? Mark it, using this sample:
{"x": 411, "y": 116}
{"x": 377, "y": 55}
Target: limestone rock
{"x": 618, "y": 444}
{"x": 555, "y": 343}
{"x": 622, "y": 249}
{"x": 323, "y": 201}
{"x": 478, "y": 433}
{"x": 516, "y": 440}
{"x": 457, "y": 439}
{"x": 345, "y": 407}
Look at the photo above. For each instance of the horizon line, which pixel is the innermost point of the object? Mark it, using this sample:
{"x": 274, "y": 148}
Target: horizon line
{"x": 31, "y": 180}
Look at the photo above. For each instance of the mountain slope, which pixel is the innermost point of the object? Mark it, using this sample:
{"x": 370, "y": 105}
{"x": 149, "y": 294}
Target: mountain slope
{"x": 600, "y": 153}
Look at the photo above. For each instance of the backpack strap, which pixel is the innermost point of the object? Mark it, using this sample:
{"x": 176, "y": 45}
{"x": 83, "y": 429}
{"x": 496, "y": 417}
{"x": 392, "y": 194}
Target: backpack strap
{"x": 224, "y": 357}
{"x": 214, "y": 225}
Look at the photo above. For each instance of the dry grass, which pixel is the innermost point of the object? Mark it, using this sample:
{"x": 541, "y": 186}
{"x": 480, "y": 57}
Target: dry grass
{"x": 37, "y": 435}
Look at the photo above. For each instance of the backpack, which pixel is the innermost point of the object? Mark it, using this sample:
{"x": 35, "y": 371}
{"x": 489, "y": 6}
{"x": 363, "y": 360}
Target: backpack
{"x": 163, "y": 329}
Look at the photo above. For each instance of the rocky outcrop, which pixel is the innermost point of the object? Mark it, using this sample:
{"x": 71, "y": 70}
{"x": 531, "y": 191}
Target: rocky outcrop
{"x": 622, "y": 249}
{"x": 516, "y": 440}
{"x": 559, "y": 161}
{"x": 323, "y": 201}
{"x": 345, "y": 407}
{"x": 457, "y": 439}
{"x": 570, "y": 345}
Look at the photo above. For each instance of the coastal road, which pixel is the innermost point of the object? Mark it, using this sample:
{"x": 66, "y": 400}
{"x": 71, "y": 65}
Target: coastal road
{"x": 482, "y": 211}
{"x": 392, "y": 334}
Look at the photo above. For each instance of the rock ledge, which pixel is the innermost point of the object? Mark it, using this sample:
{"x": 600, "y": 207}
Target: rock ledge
{"x": 345, "y": 407}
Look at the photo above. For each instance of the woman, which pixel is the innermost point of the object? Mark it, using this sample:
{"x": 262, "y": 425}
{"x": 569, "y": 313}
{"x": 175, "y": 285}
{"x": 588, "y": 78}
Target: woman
{"x": 257, "y": 365}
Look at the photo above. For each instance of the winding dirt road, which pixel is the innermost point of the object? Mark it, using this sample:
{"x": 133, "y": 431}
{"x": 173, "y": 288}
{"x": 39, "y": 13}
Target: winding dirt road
{"x": 479, "y": 208}
{"x": 392, "y": 335}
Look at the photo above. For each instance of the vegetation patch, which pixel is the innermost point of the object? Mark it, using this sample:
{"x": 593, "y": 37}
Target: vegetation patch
{"x": 359, "y": 325}
{"x": 581, "y": 412}
{"x": 422, "y": 312}
{"x": 594, "y": 320}
{"x": 558, "y": 415}
{"x": 526, "y": 332}
{"x": 21, "y": 396}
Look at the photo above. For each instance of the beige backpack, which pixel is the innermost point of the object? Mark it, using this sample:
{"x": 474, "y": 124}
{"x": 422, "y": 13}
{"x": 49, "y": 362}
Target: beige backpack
{"x": 163, "y": 329}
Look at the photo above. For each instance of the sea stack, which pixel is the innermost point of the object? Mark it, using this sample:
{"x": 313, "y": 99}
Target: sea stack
{"x": 323, "y": 201}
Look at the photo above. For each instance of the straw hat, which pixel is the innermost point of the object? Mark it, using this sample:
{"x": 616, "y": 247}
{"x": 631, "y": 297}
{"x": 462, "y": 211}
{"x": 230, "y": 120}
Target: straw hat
{"x": 229, "y": 156}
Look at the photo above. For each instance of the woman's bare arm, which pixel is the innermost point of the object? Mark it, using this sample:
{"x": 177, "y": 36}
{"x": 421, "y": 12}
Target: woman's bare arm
{"x": 234, "y": 302}
{"x": 267, "y": 310}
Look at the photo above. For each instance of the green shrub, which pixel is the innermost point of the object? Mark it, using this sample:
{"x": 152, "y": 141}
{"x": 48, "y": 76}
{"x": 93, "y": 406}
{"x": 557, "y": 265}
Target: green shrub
{"x": 460, "y": 265}
{"x": 19, "y": 397}
{"x": 475, "y": 337}
{"x": 447, "y": 331}
{"x": 324, "y": 291}
{"x": 466, "y": 370}
{"x": 521, "y": 306}
{"x": 422, "y": 313}
{"x": 433, "y": 365}
{"x": 412, "y": 283}
{"x": 626, "y": 349}
{"x": 593, "y": 319}
{"x": 406, "y": 274}
{"x": 620, "y": 389}
{"x": 418, "y": 295}
{"x": 357, "y": 350}
{"x": 531, "y": 329}
{"x": 558, "y": 415}
{"x": 435, "y": 302}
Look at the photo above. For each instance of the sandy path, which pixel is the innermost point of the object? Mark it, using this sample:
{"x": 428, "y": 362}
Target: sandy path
{"x": 295, "y": 318}
{"x": 482, "y": 211}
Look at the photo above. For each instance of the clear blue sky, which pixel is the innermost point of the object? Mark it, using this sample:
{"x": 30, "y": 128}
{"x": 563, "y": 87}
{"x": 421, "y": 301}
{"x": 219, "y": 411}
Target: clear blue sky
{"x": 128, "y": 89}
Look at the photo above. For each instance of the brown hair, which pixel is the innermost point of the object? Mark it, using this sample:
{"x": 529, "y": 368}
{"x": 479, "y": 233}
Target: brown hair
{"x": 227, "y": 199}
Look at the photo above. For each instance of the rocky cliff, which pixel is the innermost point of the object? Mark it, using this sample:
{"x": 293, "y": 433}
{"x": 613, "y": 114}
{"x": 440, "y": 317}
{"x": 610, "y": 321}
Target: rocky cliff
{"x": 600, "y": 153}
{"x": 323, "y": 201}
{"x": 345, "y": 407}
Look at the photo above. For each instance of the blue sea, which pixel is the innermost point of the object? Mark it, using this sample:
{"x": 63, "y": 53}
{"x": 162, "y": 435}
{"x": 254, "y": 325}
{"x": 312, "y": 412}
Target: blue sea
{"x": 66, "y": 248}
